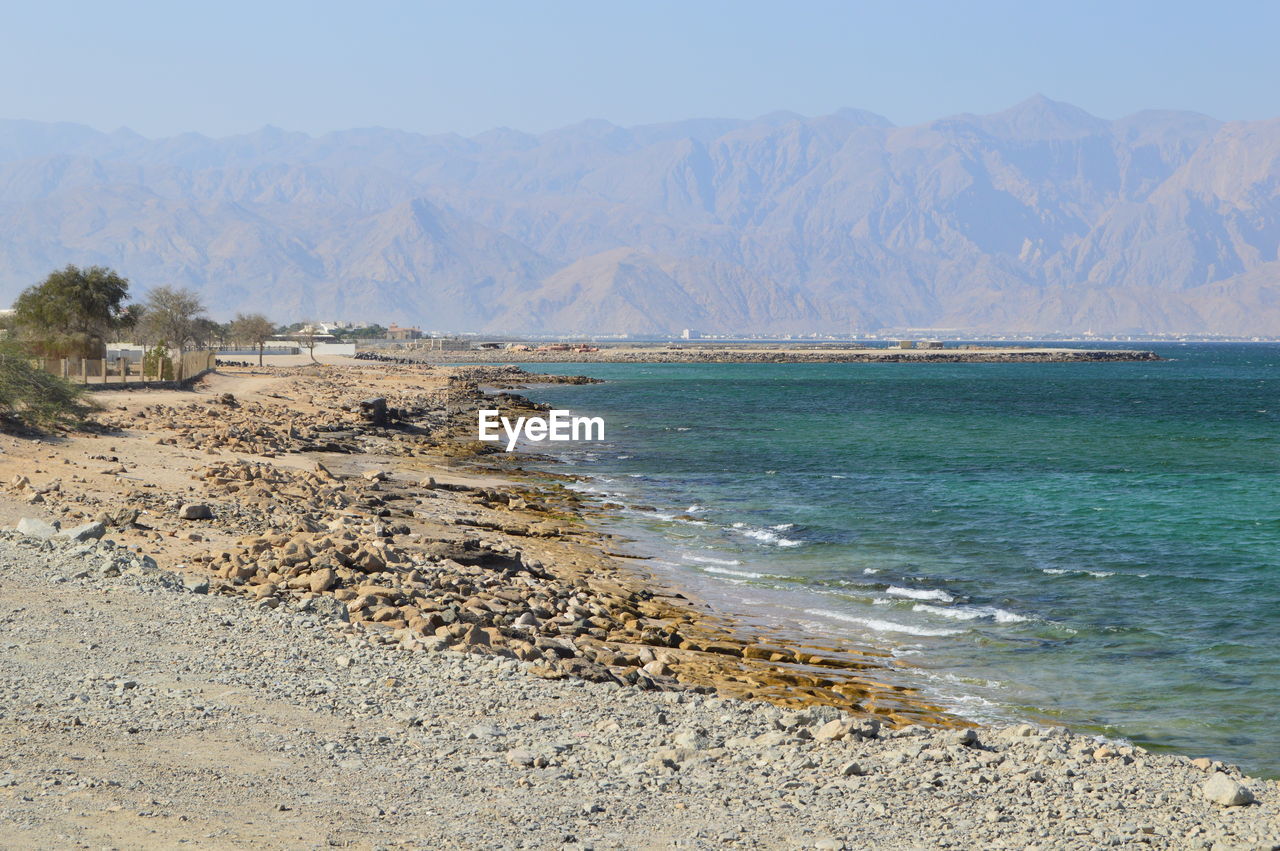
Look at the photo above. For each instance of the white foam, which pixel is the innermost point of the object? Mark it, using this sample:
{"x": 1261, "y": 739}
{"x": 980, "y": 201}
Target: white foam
{"x": 959, "y": 614}
{"x": 724, "y": 571}
{"x": 766, "y": 536}
{"x": 971, "y": 613}
{"x": 727, "y": 562}
{"x": 920, "y": 593}
{"x": 882, "y": 625}
{"x": 1059, "y": 571}
{"x": 870, "y": 570}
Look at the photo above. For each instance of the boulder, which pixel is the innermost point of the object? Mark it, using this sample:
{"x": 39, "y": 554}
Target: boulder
{"x": 1226, "y": 792}
{"x": 322, "y": 580}
{"x": 195, "y": 511}
{"x": 33, "y": 527}
{"x": 833, "y": 730}
{"x": 84, "y": 532}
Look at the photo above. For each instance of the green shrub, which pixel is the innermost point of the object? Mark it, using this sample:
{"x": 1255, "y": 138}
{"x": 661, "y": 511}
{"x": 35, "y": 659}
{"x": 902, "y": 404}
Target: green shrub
{"x": 31, "y": 397}
{"x": 157, "y": 364}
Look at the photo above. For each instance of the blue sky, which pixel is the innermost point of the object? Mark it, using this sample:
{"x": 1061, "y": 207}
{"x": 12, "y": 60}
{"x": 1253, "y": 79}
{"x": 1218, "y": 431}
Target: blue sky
{"x": 229, "y": 66}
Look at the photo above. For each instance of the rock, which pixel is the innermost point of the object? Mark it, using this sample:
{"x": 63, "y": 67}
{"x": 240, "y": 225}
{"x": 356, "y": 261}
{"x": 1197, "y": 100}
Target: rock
{"x": 375, "y": 475}
{"x": 692, "y": 739}
{"x": 34, "y": 527}
{"x": 521, "y": 757}
{"x": 1224, "y": 791}
{"x": 833, "y": 730}
{"x": 527, "y": 621}
{"x": 967, "y": 737}
{"x": 196, "y": 584}
{"x": 326, "y": 607}
{"x": 474, "y": 636}
{"x": 1203, "y": 763}
{"x": 195, "y": 511}
{"x": 85, "y": 532}
{"x": 852, "y": 769}
{"x": 322, "y": 580}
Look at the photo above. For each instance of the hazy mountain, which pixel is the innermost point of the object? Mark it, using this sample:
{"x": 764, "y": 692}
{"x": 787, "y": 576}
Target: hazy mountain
{"x": 1041, "y": 217}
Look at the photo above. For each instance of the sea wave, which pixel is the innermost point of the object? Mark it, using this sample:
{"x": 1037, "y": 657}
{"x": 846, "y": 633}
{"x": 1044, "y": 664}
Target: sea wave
{"x": 726, "y": 562}
{"x": 1059, "y": 571}
{"x": 882, "y": 625}
{"x": 971, "y": 613}
{"x": 920, "y": 593}
{"x": 741, "y": 574}
{"x": 766, "y": 536}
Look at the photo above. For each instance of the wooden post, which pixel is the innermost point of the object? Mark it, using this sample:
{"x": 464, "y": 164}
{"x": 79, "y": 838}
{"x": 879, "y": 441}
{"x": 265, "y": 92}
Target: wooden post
{"x": 84, "y": 370}
{"x": 104, "y": 369}
{"x": 66, "y": 368}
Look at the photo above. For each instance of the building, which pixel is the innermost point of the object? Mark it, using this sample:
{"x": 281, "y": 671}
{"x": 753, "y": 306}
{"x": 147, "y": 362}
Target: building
{"x": 930, "y": 344}
{"x": 395, "y": 332}
{"x": 690, "y": 334}
{"x": 906, "y": 344}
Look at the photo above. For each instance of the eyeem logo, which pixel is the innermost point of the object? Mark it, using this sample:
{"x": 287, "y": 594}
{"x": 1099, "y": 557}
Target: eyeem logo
{"x": 557, "y": 425}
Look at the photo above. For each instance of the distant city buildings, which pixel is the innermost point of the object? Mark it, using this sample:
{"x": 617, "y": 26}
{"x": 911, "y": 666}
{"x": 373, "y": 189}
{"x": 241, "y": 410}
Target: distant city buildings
{"x": 690, "y": 334}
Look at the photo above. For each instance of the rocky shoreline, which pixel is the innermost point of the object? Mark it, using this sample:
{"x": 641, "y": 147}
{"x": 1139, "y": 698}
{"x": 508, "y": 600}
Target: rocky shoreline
{"x": 273, "y": 497}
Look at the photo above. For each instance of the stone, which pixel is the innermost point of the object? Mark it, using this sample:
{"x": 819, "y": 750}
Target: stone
{"x": 322, "y": 580}
{"x": 521, "y": 757}
{"x": 967, "y": 737}
{"x": 326, "y": 607}
{"x": 474, "y": 636}
{"x": 833, "y": 730}
{"x": 692, "y": 739}
{"x": 91, "y": 531}
{"x": 375, "y": 475}
{"x": 1203, "y": 763}
{"x": 1225, "y": 792}
{"x": 34, "y": 527}
{"x": 852, "y": 769}
{"x": 196, "y": 584}
{"x": 195, "y": 511}
{"x": 656, "y": 669}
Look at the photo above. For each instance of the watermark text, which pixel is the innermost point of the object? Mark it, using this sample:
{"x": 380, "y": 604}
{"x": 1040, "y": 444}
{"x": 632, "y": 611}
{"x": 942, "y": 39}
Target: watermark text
{"x": 558, "y": 425}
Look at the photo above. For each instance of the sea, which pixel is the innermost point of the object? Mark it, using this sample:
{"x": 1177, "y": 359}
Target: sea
{"x": 1095, "y": 545}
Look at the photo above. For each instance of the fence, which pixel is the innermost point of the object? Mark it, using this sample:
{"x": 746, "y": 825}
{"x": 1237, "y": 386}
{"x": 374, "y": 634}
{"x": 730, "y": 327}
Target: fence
{"x": 120, "y": 371}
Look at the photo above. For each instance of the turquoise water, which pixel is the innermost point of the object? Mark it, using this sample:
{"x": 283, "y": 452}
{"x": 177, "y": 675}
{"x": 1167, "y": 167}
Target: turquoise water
{"x": 1090, "y": 544}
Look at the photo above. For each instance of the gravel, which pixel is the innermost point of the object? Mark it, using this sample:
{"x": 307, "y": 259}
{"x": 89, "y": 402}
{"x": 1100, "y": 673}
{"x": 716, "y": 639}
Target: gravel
{"x": 136, "y": 710}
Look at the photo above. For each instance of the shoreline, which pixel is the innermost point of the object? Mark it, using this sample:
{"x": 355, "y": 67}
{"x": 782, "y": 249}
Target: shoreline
{"x": 779, "y": 354}
{"x": 268, "y": 496}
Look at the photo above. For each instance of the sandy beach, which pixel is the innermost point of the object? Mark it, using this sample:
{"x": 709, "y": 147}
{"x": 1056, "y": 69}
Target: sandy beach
{"x": 249, "y": 615}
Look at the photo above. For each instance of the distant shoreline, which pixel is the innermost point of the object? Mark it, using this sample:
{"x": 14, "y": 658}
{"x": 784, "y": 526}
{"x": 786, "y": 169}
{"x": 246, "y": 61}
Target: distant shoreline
{"x": 779, "y": 354}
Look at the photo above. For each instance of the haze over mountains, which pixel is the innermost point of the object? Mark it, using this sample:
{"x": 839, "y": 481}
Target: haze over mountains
{"x": 1038, "y": 218}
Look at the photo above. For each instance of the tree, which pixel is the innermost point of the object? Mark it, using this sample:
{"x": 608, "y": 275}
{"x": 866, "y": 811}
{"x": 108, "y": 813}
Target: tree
{"x": 73, "y": 311}
{"x": 253, "y": 328}
{"x": 171, "y": 316}
{"x": 205, "y": 332}
{"x": 307, "y": 336}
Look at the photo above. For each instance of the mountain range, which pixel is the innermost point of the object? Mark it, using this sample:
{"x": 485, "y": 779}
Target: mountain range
{"x": 1039, "y": 218}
